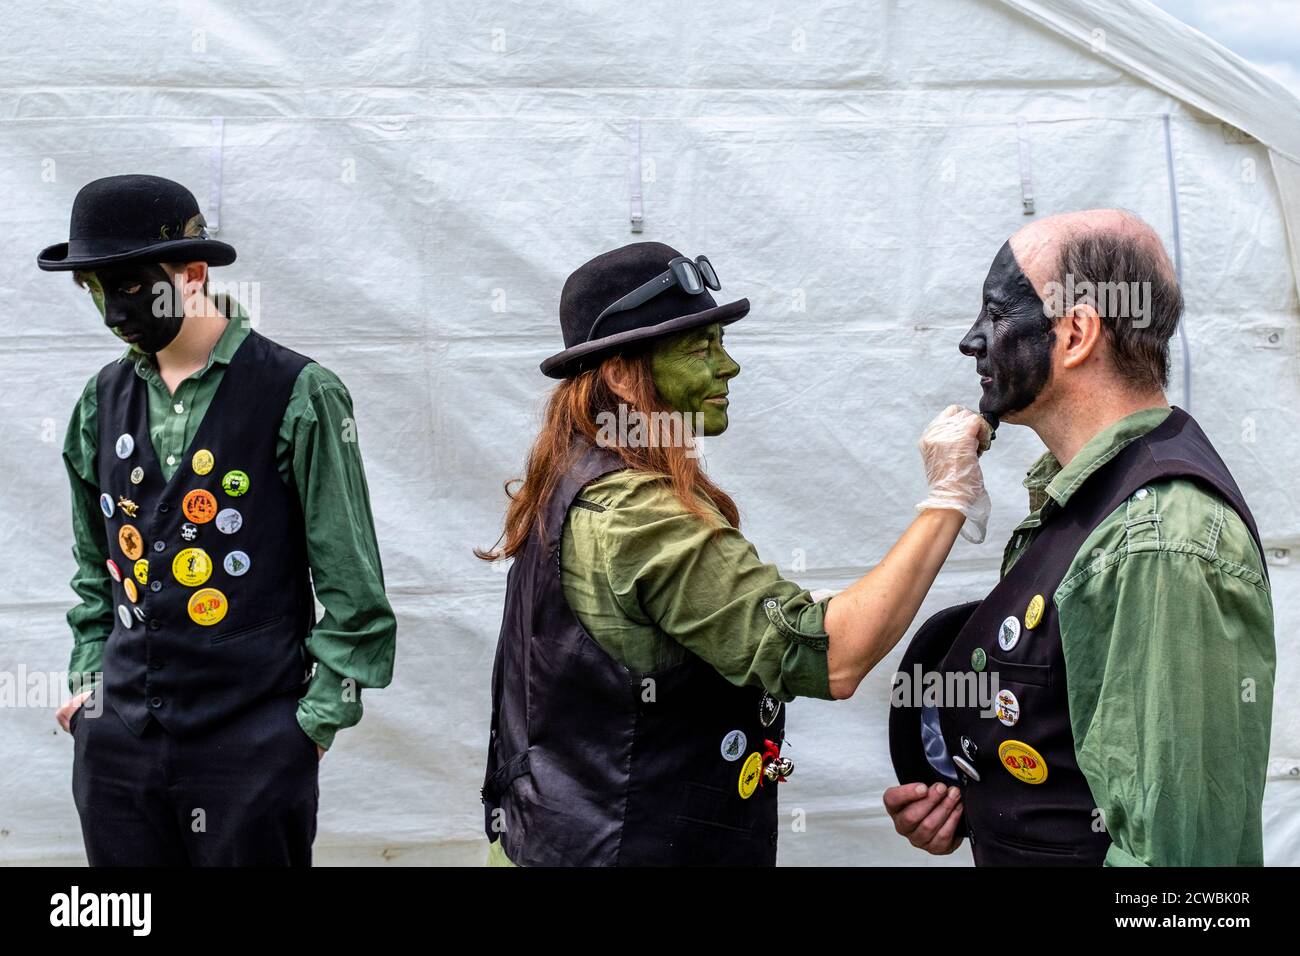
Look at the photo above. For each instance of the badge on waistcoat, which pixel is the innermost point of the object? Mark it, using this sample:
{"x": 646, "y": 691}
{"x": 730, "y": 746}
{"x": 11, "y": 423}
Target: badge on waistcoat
{"x": 733, "y": 745}
{"x": 137, "y": 475}
{"x": 978, "y": 659}
{"x": 124, "y": 445}
{"x": 129, "y": 540}
{"x": 1034, "y": 613}
{"x": 199, "y": 505}
{"x": 114, "y": 571}
{"x": 1022, "y": 761}
{"x": 234, "y": 483}
{"x": 141, "y": 570}
{"x": 237, "y": 563}
{"x": 202, "y": 461}
{"x": 229, "y": 521}
{"x": 768, "y": 708}
{"x": 749, "y": 774}
{"x": 129, "y": 587}
{"x": 106, "y": 504}
{"x": 191, "y": 567}
{"x": 1009, "y": 633}
{"x": 1008, "y": 708}
{"x": 207, "y": 607}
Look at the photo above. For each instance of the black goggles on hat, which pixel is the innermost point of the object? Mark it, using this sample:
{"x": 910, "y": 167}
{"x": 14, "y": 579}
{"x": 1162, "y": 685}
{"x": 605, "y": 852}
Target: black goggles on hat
{"x": 692, "y": 276}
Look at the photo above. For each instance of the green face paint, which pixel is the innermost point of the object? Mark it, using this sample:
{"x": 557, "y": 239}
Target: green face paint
{"x": 691, "y": 372}
{"x": 95, "y": 289}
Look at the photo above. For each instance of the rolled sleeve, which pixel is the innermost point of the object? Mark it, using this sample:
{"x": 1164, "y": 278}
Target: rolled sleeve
{"x": 704, "y": 586}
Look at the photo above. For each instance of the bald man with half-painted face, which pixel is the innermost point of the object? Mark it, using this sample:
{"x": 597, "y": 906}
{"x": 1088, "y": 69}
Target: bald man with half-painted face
{"x": 1122, "y": 668}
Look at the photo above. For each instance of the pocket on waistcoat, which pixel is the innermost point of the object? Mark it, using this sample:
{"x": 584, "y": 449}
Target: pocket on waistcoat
{"x": 249, "y": 629}
{"x": 1036, "y": 675}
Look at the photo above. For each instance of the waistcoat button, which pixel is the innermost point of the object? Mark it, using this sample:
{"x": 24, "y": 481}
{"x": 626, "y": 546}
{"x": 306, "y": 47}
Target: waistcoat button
{"x": 155, "y": 585}
{"x": 155, "y": 702}
{"x": 155, "y": 665}
{"x": 164, "y": 507}
{"x": 159, "y": 545}
{"x": 154, "y": 623}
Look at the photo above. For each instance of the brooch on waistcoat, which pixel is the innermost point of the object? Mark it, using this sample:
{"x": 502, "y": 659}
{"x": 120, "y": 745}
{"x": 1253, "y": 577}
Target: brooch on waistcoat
{"x": 129, "y": 507}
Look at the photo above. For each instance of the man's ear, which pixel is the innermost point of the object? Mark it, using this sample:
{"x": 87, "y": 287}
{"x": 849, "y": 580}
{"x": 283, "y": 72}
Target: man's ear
{"x": 1080, "y": 333}
{"x": 194, "y": 282}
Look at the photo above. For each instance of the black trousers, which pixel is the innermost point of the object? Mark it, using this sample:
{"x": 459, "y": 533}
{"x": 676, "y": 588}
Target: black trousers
{"x": 242, "y": 794}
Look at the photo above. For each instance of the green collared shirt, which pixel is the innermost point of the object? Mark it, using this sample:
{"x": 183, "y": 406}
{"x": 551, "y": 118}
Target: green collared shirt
{"x": 1167, "y": 631}
{"x": 653, "y": 584}
{"x": 353, "y": 643}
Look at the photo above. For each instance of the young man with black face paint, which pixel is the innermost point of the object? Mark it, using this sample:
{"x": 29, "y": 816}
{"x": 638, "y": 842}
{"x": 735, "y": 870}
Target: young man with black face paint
{"x": 216, "y": 483}
{"x": 1129, "y": 644}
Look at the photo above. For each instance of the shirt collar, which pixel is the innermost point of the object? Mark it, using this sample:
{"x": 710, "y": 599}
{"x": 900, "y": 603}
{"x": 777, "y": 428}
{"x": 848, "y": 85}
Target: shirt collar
{"x": 237, "y": 329}
{"x": 1046, "y": 481}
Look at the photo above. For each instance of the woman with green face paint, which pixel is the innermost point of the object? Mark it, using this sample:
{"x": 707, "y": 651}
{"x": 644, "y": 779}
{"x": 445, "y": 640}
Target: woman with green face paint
{"x": 645, "y": 649}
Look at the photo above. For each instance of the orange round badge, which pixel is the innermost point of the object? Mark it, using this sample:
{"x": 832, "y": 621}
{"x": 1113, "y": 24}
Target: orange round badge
{"x": 129, "y": 587}
{"x": 200, "y": 506}
{"x": 207, "y": 607}
{"x": 129, "y": 540}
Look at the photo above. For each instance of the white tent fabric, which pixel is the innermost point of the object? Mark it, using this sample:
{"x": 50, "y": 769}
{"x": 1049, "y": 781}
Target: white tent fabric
{"x": 408, "y": 183}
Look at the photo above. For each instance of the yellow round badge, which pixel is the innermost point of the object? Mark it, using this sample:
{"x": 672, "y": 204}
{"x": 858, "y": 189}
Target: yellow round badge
{"x": 141, "y": 570}
{"x": 207, "y": 607}
{"x": 191, "y": 567}
{"x": 129, "y": 540}
{"x": 199, "y": 505}
{"x": 749, "y": 774}
{"x": 129, "y": 587}
{"x": 1034, "y": 613}
{"x": 1022, "y": 761}
{"x": 202, "y": 461}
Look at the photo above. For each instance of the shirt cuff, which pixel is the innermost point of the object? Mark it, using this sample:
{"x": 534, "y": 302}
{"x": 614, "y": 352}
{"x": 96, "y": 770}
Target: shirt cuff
{"x": 331, "y": 703}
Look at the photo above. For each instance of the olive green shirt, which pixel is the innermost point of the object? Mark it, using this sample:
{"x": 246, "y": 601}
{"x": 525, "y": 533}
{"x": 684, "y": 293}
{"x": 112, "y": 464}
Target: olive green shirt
{"x": 1167, "y": 631}
{"x": 653, "y": 584}
{"x": 353, "y": 643}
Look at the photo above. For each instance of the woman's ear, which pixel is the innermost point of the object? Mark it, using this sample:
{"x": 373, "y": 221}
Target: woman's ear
{"x": 614, "y": 373}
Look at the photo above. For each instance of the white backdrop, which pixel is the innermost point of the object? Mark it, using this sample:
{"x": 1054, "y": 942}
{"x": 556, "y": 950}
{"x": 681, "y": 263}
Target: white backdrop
{"x": 408, "y": 184}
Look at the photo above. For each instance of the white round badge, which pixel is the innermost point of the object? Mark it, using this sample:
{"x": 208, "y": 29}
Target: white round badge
{"x": 125, "y": 445}
{"x": 229, "y": 521}
{"x": 733, "y": 745}
{"x": 1009, "y": 633}
{"x": 1008, "y": 708}
{"x": 106, "y": 504}
{"x": 236, "y": 563}
{"x": 966, "y": 767}
{"x": 125, "y": 617}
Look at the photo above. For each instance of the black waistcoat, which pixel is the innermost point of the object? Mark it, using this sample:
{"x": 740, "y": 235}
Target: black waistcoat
{"x": 1054, "y": 821}
{"x": 590, "y": 764}
{"x": 167, "y": 665}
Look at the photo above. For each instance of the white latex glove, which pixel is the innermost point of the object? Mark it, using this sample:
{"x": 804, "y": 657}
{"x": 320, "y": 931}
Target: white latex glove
{"x": 950, "y": 448}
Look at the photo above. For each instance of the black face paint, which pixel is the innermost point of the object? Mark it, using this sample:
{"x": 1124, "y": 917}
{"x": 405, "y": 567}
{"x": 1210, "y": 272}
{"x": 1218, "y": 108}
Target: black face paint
{"x": 136, "y": 308}
{"x": 1011, "y": 340}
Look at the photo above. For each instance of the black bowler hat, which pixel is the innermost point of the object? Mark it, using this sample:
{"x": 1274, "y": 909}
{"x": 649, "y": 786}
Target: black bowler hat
{"x": 928, "y": 648}
{"x": 124, "y": 219}
{"x": 598, "y": 284}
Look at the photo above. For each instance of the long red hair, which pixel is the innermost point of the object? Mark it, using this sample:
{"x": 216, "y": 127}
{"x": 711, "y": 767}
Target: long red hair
{"x": 572, "y": 413}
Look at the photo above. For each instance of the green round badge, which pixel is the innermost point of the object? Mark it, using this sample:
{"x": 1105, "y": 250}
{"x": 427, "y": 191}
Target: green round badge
{"x": 234, "y": 483}
{"x": 978, "y": 659}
